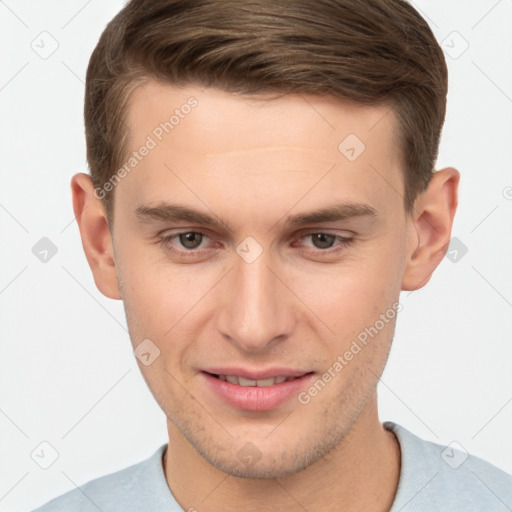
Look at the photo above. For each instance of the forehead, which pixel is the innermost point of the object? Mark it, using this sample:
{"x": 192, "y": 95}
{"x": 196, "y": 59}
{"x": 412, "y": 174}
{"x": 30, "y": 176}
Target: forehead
{"x": 267, "y": 147}
{"x": 316, "y": 118}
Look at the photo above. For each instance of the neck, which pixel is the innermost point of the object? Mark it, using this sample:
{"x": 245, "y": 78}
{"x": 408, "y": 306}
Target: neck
{"x": 361, "y": 473}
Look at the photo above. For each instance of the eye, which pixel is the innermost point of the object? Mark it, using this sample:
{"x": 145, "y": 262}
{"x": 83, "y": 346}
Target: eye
{"x": 185, "y": 242}
{"x": 321, "y": 242}
{"x": 190, "y": 240}
{"x": 195, "y": 243}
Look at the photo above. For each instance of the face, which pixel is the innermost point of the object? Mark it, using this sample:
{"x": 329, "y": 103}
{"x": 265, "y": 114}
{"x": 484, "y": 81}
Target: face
{"x": 250, "y": 247}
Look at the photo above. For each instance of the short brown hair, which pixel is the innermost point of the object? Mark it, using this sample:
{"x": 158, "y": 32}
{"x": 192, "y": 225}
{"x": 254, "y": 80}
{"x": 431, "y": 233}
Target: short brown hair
{"x": 372, "y": 52}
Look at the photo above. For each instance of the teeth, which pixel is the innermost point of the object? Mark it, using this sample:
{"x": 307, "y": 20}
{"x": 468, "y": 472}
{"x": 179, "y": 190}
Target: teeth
{"x": 246, "y": 382}
{"x": 262, "y": 383}
{"x": 232, "y": 379}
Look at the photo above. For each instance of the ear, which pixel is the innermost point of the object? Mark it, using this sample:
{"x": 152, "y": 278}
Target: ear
{"x": 430, "y": 228}
{"x": 96, "y": 240}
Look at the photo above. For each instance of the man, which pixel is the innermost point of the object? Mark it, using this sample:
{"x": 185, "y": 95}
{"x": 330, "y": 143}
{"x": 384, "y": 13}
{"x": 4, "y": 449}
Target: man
{"x": 261, "y": 190}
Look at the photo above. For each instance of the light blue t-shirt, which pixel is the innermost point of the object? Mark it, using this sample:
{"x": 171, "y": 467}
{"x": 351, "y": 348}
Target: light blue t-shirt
{"x": 433, "y": 478}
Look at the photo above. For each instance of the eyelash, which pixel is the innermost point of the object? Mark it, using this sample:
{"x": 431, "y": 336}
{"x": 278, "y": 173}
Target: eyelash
{"x": 164, "y": 241}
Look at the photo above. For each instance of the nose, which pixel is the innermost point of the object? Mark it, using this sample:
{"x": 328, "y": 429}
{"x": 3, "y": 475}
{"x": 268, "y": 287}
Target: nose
{"x": 257, "y": 307}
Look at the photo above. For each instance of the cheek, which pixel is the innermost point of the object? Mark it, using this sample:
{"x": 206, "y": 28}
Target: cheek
{"x": 150, "y": 281}
{"x": 352, "y": 295}
{"x": 163, "y": 299}
{"x": 164, "y": 302}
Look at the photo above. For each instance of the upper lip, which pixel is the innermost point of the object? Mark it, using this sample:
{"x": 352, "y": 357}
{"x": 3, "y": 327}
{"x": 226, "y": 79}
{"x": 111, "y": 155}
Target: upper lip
{"x": 256, "y": 374}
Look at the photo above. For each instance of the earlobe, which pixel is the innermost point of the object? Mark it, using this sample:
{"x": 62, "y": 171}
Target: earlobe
{"x": 431, "y": 227}
{"x": 96, "y": 239}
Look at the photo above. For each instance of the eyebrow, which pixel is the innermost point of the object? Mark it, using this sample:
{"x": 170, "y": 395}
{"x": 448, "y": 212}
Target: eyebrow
{"x": 174, "y": 213}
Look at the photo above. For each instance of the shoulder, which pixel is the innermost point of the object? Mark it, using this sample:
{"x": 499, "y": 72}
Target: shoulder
{"x": 436, "y": 477}
{"x": 132, "y": 488}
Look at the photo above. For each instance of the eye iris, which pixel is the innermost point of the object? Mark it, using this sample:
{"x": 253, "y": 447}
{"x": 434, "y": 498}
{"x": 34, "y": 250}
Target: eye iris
{"x": 191, "y": 240}
{"x": 323, "y": 240}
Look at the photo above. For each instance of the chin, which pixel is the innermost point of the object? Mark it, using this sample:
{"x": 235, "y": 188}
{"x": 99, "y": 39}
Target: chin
{"x": 263, "y": 469}
{"x": 279, "y": 459}
{"x": 263, "y": 473}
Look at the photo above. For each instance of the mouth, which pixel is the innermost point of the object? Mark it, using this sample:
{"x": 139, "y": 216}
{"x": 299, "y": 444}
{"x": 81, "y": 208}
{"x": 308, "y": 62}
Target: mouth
{"x": 238, "y": 380}
{"x": 256, "y": 391}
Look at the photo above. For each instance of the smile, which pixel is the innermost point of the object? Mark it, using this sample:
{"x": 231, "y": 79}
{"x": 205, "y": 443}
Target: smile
{"x": 260, "y": 394}
{"x": 262, "y": 383}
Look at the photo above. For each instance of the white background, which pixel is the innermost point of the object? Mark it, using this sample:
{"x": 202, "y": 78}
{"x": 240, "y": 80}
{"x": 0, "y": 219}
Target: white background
{"x": 67, "y": 372}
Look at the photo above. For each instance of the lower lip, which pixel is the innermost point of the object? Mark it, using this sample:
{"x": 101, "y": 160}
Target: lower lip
{"x": 254, "y": 398}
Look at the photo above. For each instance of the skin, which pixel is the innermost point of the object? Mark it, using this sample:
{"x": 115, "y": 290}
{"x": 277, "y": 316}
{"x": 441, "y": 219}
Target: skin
{"x": 252, "y": 162}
